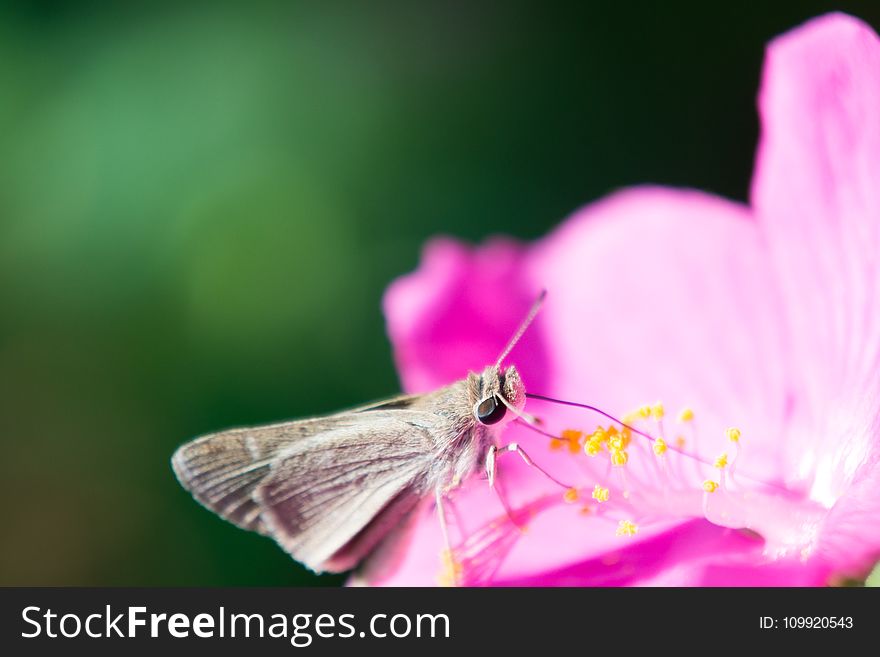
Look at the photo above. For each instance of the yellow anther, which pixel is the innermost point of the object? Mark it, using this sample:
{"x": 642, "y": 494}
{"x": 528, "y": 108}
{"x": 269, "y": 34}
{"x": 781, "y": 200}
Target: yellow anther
{"x": 659, "y": 447}
{"x": 610, "y": 432}
{"x": 617, "y": 443}
{"x": 721, "y": 461}
{"x": 710, "y": 486}
{"x": 451, "y": 569}
{"x": 680, "y": 442}
{"x": 619, "y": 457}
{"x": 685, "y": 415}
{"x": 592, "y": 447}
{"x": 601, "y": 494}
{"x": 571, "y": 495}
{"x": 573, "y": 438}
{"x": 658, "y": 411}
{"x": 599, "y": 434}
{"x": 645, "y": 412}
{"x": 627, "y": 528}
{"x": 555, "y": 444}
{"x": 733, "y": 434}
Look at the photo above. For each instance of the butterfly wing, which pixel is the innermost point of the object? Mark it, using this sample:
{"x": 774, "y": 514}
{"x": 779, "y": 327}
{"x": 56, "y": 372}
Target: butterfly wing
{"x": 327, "y": 489}
{"x": 386, "y": 556}
{"x": 222, "y": 469}
{"x": 330, "y": 498}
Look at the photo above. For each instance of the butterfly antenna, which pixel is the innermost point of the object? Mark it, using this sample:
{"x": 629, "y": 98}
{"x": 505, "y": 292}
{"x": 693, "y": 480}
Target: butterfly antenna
{"x": 522, "y": 327}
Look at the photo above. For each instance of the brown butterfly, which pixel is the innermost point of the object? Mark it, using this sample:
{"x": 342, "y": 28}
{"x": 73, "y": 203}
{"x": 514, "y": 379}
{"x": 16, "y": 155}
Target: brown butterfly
{"x": 340, "y": 490}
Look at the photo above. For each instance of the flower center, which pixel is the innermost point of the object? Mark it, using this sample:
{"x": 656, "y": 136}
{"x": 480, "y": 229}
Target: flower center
{"x": 645, "y": 469}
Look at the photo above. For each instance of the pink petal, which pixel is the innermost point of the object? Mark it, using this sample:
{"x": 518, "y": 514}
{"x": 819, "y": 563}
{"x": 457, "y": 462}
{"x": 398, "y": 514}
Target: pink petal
{"x": 816, "y": 192}
{"x": 457, "y": 312}
{"x": 850, "y": 535}
{"x": 695, "y": 553}
{"x": 653, "y": 294}
{"x": 665, "y": 294}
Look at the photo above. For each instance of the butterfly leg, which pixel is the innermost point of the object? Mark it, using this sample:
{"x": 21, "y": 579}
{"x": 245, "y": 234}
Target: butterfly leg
{"x": 492, "y": 457}
{"x": 496, "y": 484}
{"x": 496, "y": 452}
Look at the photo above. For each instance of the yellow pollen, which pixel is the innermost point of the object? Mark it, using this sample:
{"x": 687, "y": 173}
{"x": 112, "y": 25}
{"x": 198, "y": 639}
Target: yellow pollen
{"x": 592, "y": 447}
{"x": 686, "y": 415}
{"x": 599, "y": 434}
{"x": 733, "y": 434}
{"x": 680, "y": 442}
{"x": 571, "y": 495}
{"x": 645, "y": 412}
{"x": 619, "y": 457}
{"x": 659, "y": 447}
{"x": 451, "y": 569}
{"x": 710, "y": 486}
{"x": 658, "y": 411}
{"x": 601, "y": 494}
{"x": 627, "y": 528}
{"x": 573, "y": 438}
{"x": 616, "y": 443}
{"x": 721, "y": 461}
{"x": 555, "y": 444}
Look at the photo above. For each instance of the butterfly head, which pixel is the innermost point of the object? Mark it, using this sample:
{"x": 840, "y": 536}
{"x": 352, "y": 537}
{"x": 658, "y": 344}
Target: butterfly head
{"x": 500, "y": 388}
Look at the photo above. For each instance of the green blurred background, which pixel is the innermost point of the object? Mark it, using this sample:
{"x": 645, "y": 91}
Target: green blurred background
{"x": 201, "y": 204}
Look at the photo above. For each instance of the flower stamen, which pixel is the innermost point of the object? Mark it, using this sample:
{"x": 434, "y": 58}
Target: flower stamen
{"x": 657, "y": 479}
{"x": 451, "y": 569}
{"x": 619, "y": 457}
{"x": 573, "y": 438}
{"x": 627, "y": 528}
{"x": 601, "y": 494}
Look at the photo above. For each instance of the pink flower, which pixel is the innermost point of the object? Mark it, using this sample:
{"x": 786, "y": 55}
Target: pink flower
{"x": 763, "y": 317}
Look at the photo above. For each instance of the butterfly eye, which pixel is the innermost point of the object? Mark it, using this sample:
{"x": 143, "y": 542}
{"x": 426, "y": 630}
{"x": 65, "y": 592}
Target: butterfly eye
{"x": 489, "y": 411}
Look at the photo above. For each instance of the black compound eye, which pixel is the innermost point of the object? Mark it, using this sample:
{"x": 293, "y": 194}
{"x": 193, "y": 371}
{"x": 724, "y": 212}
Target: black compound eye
{"x": 490, "y": 410}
